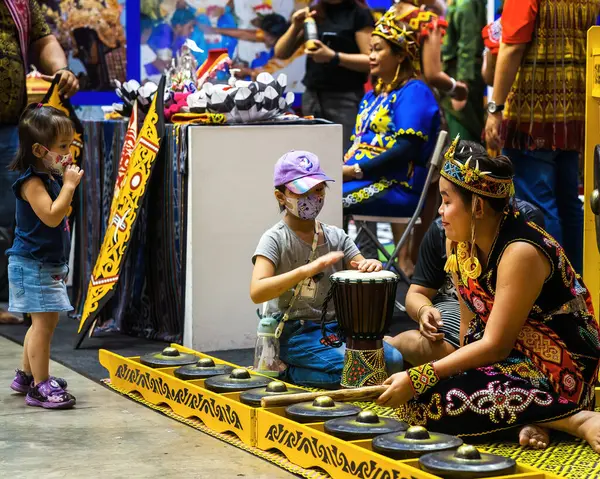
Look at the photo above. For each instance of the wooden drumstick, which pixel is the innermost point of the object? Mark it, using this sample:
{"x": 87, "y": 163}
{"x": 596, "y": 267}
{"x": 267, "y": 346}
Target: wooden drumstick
{"x": 365, "y": 393}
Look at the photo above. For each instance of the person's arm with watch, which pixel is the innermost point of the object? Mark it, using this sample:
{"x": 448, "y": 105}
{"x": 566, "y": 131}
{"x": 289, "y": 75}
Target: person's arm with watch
{"x": 352, "y": 61}
{"x": 518, "y": 23}
{"x": 50, "y": 57}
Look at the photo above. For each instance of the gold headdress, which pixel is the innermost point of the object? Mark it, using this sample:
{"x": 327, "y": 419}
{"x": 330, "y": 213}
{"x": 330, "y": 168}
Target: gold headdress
{"x": 400, "y": 35}
{"x": 468, "y": 176}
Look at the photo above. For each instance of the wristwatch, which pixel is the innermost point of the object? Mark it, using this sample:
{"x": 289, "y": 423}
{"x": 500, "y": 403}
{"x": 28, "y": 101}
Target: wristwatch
{"x": 358, "y": 173}
{"x": 493, "y": 108}
{"x": 335, "y": 61}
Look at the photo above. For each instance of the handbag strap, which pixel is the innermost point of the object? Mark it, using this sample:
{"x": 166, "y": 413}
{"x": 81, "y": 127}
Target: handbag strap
{"x": 299, "y": 286}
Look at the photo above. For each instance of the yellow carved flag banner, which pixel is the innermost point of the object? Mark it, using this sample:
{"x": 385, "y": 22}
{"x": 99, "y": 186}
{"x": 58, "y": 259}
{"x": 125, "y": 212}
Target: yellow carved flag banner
{"x": 118, "y": 233}
{"x": 54, "y": 99}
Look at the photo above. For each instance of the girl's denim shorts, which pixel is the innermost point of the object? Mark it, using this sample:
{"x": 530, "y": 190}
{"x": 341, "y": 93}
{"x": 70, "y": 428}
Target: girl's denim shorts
{"x": 37, "y": 287}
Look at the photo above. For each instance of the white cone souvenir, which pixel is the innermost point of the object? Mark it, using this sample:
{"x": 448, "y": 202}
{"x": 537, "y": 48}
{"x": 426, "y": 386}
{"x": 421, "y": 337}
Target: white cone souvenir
{"x": 264, "y": 80}
{"x": 282, "y": 105}
{"x": 221, "y": 102}
{"x": 289, "y": 98}
{"x": 243, "y": 98}
{"x": 281, "y": 83}
{"x": 271, "y": 101}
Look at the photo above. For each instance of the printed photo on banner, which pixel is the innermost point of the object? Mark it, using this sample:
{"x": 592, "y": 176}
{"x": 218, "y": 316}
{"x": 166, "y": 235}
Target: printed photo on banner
{"x": 92, "y": 34}
{"x": 247, "y": 29}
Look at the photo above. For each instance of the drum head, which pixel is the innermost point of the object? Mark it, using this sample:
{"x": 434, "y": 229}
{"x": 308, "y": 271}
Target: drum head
{"x": 353, "y": 276}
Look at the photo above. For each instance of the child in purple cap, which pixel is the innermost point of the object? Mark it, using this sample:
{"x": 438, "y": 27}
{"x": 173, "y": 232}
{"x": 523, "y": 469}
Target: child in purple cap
{"x": 292, "y": 262}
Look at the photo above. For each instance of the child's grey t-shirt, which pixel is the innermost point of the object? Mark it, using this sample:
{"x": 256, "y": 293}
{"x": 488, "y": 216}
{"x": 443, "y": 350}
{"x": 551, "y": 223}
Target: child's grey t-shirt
{"x": 287, "y": 252}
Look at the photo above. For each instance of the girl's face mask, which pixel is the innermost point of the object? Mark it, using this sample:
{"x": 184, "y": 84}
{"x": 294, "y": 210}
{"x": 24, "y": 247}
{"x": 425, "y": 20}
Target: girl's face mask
{"x": 305, "y": 207}
{"x": 56, "y": 162}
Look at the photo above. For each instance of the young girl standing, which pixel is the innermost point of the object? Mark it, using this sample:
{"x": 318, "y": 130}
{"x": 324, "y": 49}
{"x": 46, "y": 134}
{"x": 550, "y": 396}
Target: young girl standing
{"x": 292, "y": 264}
{"x": 37, "y": 260}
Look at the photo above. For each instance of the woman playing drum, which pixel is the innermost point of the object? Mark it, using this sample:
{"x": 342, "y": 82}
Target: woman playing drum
{"x": 529, "y": 341}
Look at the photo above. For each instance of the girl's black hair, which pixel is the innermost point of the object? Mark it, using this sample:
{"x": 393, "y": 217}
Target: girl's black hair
{"x": 39, "y": 124}
{"x": 500, "y": 166}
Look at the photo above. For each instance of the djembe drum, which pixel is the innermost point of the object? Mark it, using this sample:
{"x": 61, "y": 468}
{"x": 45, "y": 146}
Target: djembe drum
{"x": 364, "y": 304}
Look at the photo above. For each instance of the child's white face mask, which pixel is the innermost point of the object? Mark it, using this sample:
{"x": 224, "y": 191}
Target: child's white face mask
{"x": 56, "y": 162}
{"x": 305, "y": 207}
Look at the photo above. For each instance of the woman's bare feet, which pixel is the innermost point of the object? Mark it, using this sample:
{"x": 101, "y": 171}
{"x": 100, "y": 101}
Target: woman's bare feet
{"x": 534, "y": 436}
{"x": 584, "y": 425}
{"x": 590, "y": 430}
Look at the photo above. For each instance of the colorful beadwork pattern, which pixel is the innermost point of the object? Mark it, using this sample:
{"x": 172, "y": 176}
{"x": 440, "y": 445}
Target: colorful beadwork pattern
{"x": 397, "y": 34}
{"x": 363, "y": 368}
{"x": 553, "y": 367}
{"x": 470, "y": 177}
{"x": 423, "y": 378}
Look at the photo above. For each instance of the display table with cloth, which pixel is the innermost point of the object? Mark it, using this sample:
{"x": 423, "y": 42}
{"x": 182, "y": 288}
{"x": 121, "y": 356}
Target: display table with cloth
{"x": 149, "y": 296}
{"x": 186, "y": 274}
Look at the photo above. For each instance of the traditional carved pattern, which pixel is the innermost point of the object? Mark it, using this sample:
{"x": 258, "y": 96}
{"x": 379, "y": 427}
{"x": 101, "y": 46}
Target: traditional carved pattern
{"x": 330, "y": 454}
{"x": 184, "y": 396}
{"x": 132, "y": 189}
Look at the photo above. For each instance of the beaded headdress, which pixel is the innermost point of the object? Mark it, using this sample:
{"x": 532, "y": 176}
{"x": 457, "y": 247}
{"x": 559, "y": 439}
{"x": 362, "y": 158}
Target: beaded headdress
{"x": 398, "y": 34}
{"x": 468, "y": 175}
{"x": 463, "y": 259}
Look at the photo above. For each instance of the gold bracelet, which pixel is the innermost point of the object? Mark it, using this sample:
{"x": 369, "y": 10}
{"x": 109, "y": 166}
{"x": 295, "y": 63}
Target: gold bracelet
{"x": 422, "y": 378}
{"x": 421, "y": 308}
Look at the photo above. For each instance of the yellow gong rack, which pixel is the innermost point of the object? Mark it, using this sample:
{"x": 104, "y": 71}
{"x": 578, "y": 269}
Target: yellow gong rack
{"x": 306, "y": 445}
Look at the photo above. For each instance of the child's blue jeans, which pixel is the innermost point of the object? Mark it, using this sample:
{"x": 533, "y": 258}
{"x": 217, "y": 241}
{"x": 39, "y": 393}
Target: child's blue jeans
{"x": 314, "y": 364}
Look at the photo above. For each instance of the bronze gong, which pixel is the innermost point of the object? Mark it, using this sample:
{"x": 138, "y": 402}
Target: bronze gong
{"x": 467, "y": 463}
{"x": 239, "y": 380}
{"x": 321, "y": 409}
{"x": 204, "y": 368}
{"x": 168, "y": 357}
{"x": 414, "y": 442}
{"x": 274, "y": 388}
{"x": 366, "y": 425}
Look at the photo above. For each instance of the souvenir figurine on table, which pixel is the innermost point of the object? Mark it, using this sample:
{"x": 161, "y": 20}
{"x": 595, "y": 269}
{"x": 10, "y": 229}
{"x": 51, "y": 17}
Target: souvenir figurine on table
{"x": 183, "y": 68}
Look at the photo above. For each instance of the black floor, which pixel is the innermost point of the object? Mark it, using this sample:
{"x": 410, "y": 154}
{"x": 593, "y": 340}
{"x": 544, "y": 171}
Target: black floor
{"x": 85, "y": 360}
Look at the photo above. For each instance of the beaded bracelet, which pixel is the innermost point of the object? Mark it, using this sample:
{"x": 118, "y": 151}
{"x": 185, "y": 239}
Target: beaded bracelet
{"x": 422, "y": 378}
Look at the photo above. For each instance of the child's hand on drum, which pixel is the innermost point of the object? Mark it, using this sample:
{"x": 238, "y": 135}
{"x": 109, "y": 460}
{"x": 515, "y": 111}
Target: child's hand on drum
{"x": 430, "y": 320}
{"x": 315, "y": 267}
{"x": 367, "y": 265}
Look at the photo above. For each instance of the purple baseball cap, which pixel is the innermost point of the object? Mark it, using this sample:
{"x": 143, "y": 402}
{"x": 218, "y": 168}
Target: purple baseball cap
{"x": 299, "y": 171}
